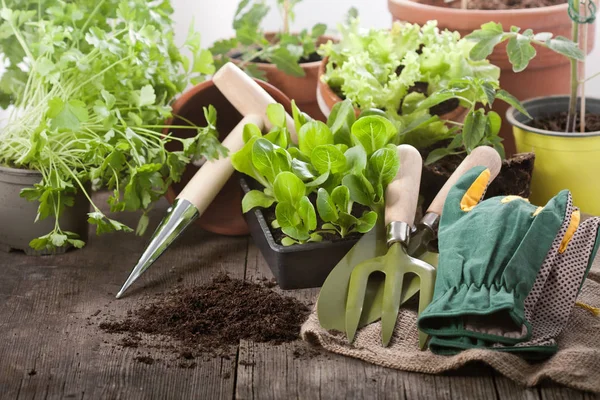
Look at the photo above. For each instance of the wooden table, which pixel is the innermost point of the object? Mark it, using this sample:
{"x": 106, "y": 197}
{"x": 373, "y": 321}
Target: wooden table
{"x": 50, "y": 308}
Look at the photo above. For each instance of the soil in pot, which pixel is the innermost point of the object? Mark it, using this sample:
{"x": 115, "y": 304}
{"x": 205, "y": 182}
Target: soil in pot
{"x": 495, "y": 4}
{"x": 557, "y": 122}
{"x": 211, "y": 318}
{"x": 514, "y": 177}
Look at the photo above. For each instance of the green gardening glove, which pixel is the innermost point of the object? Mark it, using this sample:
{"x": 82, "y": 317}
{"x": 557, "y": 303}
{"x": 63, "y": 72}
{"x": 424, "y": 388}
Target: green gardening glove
{"x": 490, "y": 255}
{"x": 553, "y": 295}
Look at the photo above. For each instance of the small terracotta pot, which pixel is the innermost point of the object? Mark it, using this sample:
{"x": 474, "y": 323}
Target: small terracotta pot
{"x": 327, "y": 98}
{"x": 224, "y": 215}
{"x": 547, "y": 74}
{"x": 301, "y": 89}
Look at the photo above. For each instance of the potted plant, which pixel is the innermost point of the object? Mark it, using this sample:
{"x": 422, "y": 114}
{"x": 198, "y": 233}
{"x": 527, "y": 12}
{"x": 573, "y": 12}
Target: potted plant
{"x": 90, "y": 84}
{"x": 543, "y": 78}
{"x": 563, "y": 131}
{"x": 287, "y": 60}
{"x": 426, "y": 82}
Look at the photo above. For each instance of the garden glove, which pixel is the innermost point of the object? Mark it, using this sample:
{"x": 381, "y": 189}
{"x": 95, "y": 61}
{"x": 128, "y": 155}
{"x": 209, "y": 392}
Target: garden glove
{"x": 549, "y": 303}
{"x": 490, "y": 256}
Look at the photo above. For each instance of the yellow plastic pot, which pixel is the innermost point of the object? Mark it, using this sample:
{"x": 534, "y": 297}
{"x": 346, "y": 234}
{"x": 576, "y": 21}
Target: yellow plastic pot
{"x": 562, "y": 160}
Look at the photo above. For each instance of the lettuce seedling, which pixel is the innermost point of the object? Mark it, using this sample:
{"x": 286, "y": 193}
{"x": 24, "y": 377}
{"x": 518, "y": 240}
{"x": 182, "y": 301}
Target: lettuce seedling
{"x": 344, "y": 162}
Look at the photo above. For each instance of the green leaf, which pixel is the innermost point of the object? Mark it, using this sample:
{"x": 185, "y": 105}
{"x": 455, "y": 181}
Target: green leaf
{"x": 373, "y": 132}
{"x": 328, "y": 158}
{"x": 303, "y": 170}
{"x": 288, "y": 241}
{"x": 300, "y": 118}
{"x": 486, "y": 39}
{"x": 146, "y": 96}
{"x": 320, "y": 180}
{"x": 256, "y": 198}
{"x": 326, "y": 207}
{"x": 313, "y": 134}
{"x": 341, "y": 198}
{"x": 436, "y": 155}
{"x": 366, "y": 222}
{"x": 203, "y": 63}
{"x": 267, "y": 160}
{"x": 512, "y": 100}
{"x": 286, "y": 215}
{"x": 436, "y": 98}
{"x": 288, "y": 188}
{"x": 223, "y": 46}
{"x": 494, "y": 123}
{"x": 307, "y": 213}
{"x": 383, "y": 166}
{"x": 286, "y": 62}
{"x": 520, "y": 52}
{"x": 356, "y": 159}
{"x": 361, "y": 191}
{"x": 340, "y": 121}
{"x": 474, "y": 129}
{"x": 276, "y": 115}
{"x": 250, "y": 131}
{"x": 142, "y": 224}
{"x": 66, "y": 116}
{"x": 566, "y": 47}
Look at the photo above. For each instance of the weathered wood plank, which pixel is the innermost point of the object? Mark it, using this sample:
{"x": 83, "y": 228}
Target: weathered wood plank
{"x": 508, "y": 389}
{"x": 44, "y": 323}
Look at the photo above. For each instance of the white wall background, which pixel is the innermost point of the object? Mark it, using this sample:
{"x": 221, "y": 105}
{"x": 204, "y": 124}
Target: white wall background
{"x": 212, "y": 18}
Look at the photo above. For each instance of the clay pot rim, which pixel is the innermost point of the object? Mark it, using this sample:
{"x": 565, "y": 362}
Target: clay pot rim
{"x": 511, "y": 116}
{"x": 19, "y": 171}
{"x": 482, "y": 13}
{"x": 304, "y": 66}
{"x": 321, "y": 85}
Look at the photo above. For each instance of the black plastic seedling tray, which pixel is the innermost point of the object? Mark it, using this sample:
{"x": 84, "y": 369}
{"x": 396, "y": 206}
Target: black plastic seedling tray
{"x": 298, "y": 266}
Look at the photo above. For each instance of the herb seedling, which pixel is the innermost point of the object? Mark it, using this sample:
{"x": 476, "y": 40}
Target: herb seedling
{"x": 285, "y": 50}
{"x": 91, "y": 82}
{"x": 521, "y": 51}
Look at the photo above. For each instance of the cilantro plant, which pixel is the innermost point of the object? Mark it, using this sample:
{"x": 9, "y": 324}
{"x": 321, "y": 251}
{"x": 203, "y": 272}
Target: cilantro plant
{"x": 286, "y": 50}
{"x": 334, "y": 167}
{"x": 91, "y": 82}
{"x": 520, "y": 50}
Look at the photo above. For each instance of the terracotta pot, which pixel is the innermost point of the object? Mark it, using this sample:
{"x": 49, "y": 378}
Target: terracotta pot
{"x": 327, "y": 98}
{"x": 224, "y": 215}
{"x": 300, "y": 89}
{"x": 547, "y": 74}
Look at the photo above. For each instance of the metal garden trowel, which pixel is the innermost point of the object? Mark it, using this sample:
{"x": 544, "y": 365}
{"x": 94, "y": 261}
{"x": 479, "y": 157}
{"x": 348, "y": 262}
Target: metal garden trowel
{"x": 251, "y": 101}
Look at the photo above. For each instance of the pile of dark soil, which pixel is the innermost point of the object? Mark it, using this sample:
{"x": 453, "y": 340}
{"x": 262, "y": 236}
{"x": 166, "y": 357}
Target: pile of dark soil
{"x": 495, "y": 4}
{"x": 558, "y": 122}
{"x": 213, "y": 317}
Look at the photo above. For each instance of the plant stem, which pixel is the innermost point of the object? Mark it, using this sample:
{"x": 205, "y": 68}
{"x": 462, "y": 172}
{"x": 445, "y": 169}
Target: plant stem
{"x": 585, "y": 46}
{"x": 571, "y": 116}
{"x": 286, "y": 16}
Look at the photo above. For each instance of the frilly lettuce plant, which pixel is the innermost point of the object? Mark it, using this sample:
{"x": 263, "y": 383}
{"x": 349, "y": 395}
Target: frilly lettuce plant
{"x": 344, "y": 162}
{"x": 387, "y": 69}
{"x": 91, "y": 82}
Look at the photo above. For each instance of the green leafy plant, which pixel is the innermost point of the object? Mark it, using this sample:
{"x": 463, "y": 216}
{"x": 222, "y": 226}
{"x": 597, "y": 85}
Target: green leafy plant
{"x": 286, "y": 50}
{"x": 521, "y": 50}
{"x": 412, "y": 73}
{"x": 335, "y": 167}
{"x": 91, "y": 82}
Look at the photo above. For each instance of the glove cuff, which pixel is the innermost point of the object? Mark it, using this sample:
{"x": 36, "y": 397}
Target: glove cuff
{"x": 479, "y": 312}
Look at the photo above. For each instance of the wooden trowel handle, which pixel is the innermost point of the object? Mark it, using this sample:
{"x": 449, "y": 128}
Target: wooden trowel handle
{"x": 402, "y": 194}
{"x": 246, "y": 95}
{"x": 212, "y": 176}
{"x": 482, "y": 156}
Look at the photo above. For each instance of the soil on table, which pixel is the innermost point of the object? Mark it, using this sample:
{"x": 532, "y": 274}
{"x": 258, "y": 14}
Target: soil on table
{"x": 557, "y": 122}
{"x": 495, "y": 4}
{"x": 211, "y": 318}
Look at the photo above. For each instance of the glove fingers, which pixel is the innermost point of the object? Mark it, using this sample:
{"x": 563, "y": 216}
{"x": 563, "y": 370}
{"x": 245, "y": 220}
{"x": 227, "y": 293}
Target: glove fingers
{"x": 466, "y": 193}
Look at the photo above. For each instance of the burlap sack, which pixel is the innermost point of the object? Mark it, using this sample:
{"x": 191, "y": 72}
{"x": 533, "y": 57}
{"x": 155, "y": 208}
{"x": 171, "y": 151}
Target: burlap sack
{"x": 577, "y": 363}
